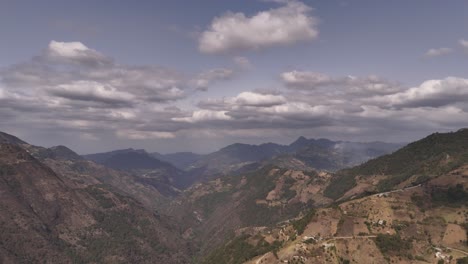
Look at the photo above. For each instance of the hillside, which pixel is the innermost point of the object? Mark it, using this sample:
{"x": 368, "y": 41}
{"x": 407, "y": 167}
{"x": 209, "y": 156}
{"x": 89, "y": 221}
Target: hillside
{"x": 404, "y": 207}
{"x": 415, "y": 163}
{"x": 51, "y": 217}
{"x": 144, "y": 167}
{"x": 181, "y": 160}
{"x": 260, "y": 198}
{"x": 309, "y": 154}
{"x": 421, "y": 223}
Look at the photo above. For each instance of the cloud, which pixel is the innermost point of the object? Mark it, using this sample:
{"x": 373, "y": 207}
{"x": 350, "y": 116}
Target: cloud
{"x": 75, "y": 52}
{"x": 92, "y": 91}
{"x": 140, "y": 135}
{"x": 207, "y": 78}
{"x": 431, "y": 93}
{"x": 437, "y": 52}
{"x": 83, "y": 95}
{"x": 69, "y": 88}
{"x": 204, "y": 115}
{"x": 343, "y": 106}
{"x": 66, "y": 65}
{"x": 464, "y": 44}
{"x": 257, "y": 99}
{"x": 287, "y": 24}
{"x": 313, "y": 81}
{"x": 306, "y": 79}
{"x": 242, "y": 62}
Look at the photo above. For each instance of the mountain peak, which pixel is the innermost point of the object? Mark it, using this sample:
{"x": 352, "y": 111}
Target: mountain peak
{"x": 10, "y": 139}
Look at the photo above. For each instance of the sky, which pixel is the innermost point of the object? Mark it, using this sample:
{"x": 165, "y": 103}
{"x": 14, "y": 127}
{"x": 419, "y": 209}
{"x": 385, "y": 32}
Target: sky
{"x": 171, "y": 76}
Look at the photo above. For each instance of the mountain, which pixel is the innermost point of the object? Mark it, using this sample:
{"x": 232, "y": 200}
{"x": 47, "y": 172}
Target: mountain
{"x": 10, "y": 139}
{"x": 146, "y": 168}
{"x": 181, "y": 160}
{"x": 309, "y": 154}
{"x": 415, "y": 163}
{"x": 260, "y": 198}
{"x": 55, "y": 219}
{"x": 405, "y": 207}
{"x": 182, "y": 169}
{"x": 422, "y": 224}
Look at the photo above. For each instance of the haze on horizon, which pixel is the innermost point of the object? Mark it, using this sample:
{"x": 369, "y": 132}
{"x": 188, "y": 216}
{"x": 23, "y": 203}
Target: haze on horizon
{"x": 177, "y": 76}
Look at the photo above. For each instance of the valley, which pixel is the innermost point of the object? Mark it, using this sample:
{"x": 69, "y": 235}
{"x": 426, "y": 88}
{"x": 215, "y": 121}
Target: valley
{"x": 272, "y": 205}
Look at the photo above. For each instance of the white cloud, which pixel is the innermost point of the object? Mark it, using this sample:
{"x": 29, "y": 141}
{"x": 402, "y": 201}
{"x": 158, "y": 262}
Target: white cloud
{"x": 242, "y": 62}
{"x": 207, "y": 78}
{"x": 91, "y": 91}
{"x": 140, "y": 135}
{"x": 438, "y": 52}
{"x": 67, "y": 49}
{"x": 75, "y": 52}
{"x": 306, "y": 79}
{"x": 287, "y": 24}
{"x": 204, "y": 115}
{"x": 350, "y": 85}
{"x": 431, "y": 93}
{"x": 2, "y": 93}
{"x": 464, "y": 44}
{"x": 257, "y": 99}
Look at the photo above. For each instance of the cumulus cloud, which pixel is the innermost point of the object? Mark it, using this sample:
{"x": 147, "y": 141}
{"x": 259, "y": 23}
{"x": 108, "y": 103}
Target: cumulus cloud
{"x": 75, "y": 52}
{"x": 308, "y": 80}
{"x": 204, "y": 115}
{"x": 431, "y": 93}
{"x": 464, "y": 44}
{"x": 92, "y": 91}
{"x": 327, "y": 105}
{"x": 257, "y": 99}
{"x": 70, "y": 88}
{"x": 290, "y": 23}
{"x": 242, "y": 62}
{"x": 207, "y": 78}
{"x": 437, "y": 52}
{"x": 138, "y": 135}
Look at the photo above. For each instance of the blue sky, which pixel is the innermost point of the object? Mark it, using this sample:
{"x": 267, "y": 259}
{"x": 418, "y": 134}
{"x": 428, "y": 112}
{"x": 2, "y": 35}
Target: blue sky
{"x": 197, "y": 75}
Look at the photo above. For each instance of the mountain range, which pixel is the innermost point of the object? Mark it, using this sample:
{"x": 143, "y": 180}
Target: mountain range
{"x": 313, "y": 201}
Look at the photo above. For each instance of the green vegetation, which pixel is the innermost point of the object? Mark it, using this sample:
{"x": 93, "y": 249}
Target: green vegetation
{"x": 259, "y": 186}
{"x": 418, "y": 200}
{"x": 392, "y": 244}
{"x": 432, "y": 156}
{"x": 122, "y": 237}
{"x": 339, "y": 185}
{"x": 101, "y": 196}
{"x": 241, "y": 249}
{"x": 209, "y": 202}
{"x": 465, "y": 226}
{"x": 287, "y": 192}
{"x": 453, "y": 196}
{"x": 300, "y": 224}
{"x": 462, "y": 260}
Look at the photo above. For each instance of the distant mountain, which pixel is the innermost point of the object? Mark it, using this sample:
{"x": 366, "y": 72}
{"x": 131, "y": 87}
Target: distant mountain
{"x": 181, "y": 160}
{"x": 182, "y": 169}
{"x": 10, "y": 139}
{"x": 148, "y": 169}
{"x": 55, "y": 218}
{"x": 319, "y": 154}
{"x": 329, "y": 155}
{"x": 417, "y": 162}
{"x": 388, "y": 206}
{"x": 104, "y": 156}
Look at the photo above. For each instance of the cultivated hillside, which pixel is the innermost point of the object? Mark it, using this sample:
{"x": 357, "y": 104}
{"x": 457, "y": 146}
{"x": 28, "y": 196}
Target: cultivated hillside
{"x": 53, "y": 218}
